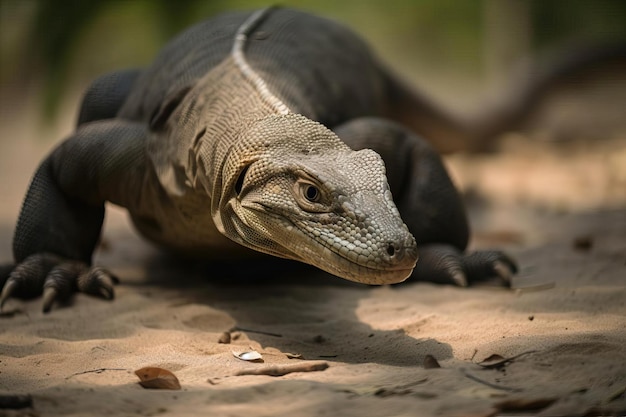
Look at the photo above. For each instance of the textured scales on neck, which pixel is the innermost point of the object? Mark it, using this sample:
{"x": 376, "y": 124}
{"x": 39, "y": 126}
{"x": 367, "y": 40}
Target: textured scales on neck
{"x": 240, "y": 59}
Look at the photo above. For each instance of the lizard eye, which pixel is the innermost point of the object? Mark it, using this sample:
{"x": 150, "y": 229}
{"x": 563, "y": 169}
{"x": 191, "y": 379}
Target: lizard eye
{"x": 309, "y": 196}
{"x": 311, "y": 193}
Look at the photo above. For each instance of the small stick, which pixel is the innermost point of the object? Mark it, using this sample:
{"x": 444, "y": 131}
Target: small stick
{"x": 96, "y": 371}
{"x": 241, "y": 329}
{"x": 280, "y": 370}
{"x": 489, "y": 384}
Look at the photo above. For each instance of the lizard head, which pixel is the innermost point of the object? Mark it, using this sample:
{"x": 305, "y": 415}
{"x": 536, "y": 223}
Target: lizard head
{"x": 294, "y": 190}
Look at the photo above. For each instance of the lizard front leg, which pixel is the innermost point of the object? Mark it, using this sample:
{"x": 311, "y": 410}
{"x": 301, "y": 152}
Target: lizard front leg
{"x": 59, "y": 225}
{"x": 106, "y": 95}
{"x": 429, "y": 204}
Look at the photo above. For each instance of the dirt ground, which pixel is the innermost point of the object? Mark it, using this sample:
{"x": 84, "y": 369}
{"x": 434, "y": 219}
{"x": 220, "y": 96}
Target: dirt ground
{"x": 559, "y": 209}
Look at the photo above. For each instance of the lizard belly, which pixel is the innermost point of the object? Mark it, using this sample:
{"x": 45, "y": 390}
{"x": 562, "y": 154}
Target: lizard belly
{"x": 184, "y": 226}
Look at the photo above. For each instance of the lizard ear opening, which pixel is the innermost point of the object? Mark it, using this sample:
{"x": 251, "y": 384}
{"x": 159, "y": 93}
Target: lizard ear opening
{"x": 164, "y": 111}
{"x": 240, "y": 179}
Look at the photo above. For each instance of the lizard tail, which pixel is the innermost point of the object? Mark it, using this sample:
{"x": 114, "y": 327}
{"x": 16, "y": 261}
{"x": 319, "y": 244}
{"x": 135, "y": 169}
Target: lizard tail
{"x": 508, "y": 112}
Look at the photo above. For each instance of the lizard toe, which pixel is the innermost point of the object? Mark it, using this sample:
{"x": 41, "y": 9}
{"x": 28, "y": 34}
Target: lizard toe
{"x": 440, "y": 264}
{"x": 26, "y": 279}
{"x": 444, "y": 264}
{"x": 69, "y": 277}
{"x": 98, "y": 281}
{"x": 57, "y": 278}
{"x": 60, "y": 283}
{"x": 489, "y": 264}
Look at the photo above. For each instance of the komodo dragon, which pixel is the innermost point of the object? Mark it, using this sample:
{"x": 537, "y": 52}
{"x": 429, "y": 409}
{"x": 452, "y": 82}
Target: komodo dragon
{"x": 264, "y": 130}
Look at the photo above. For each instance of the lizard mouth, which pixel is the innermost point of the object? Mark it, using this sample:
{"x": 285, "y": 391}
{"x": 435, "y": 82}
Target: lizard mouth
{"x": 295, "y": 241}
{"x": 346, "y": 268}
{"x": 325, "y": 257}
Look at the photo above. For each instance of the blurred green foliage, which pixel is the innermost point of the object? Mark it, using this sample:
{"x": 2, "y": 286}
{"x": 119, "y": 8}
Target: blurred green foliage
{"x": 56, "y": 42}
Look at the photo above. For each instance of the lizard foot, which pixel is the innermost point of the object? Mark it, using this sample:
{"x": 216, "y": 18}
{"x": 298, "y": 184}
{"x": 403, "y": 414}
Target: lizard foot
{"x": 445, "y": 264}
{"x": 57, "y": 278}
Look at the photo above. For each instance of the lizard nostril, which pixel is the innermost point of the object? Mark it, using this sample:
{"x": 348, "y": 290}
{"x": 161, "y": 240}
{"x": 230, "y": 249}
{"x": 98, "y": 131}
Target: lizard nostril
{"x": 391, "y": 250}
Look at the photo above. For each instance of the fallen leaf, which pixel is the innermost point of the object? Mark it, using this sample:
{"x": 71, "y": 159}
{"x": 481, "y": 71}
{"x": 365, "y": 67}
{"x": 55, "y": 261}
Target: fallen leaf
{"x": 523, "y": 404}
{"x": 583, "y": 243}
{"x": 496, "y": 361}
{"x": 224, "y": 338}
{"x": 430, "y": 362}
{"x": 157, "y": 378}
{"x": 250, "y": 356}
{"x": 493, "y": 361}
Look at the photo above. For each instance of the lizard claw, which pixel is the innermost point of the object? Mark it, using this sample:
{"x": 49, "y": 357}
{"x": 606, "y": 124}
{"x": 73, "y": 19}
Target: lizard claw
{"x": 503, "y": 271}
{"x": 459, "y": 278}
{"x": 10, "y": 288}
{"x": 98, "y": 281}
{"x": 444, "y": 264}
{"x": 484, "y": 265}
{"x": 50, "y": 294}
{"x": 441, "y": 264}
{"x": 57, "y": 278}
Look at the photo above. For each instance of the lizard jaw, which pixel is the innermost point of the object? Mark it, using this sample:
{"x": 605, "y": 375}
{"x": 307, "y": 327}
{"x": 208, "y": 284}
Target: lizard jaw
{"x": 336, "y": 260}
{"x": 299, "y": 243}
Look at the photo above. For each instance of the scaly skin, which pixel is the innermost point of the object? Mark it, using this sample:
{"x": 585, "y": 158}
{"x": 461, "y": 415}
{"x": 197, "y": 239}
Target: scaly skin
{"x": 263, "y": 131}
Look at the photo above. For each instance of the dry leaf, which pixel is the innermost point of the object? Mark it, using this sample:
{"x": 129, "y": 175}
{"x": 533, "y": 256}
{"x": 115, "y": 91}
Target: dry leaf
{"x": 512, "y": 405}
{"x": 250, "y": 356}
{"x": 224, "y": 338}
{"x": 430, "y": 362}
{"x": 157, "y": 378}
{"x": 583, "y": 243}
{"x": 496, "y": 361}
{"x": 493, "y": 361}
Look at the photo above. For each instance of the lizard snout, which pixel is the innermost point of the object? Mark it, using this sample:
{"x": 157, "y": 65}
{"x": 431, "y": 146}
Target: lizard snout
{"x": 397, "y": 252}
{"x": 401, "y": 254}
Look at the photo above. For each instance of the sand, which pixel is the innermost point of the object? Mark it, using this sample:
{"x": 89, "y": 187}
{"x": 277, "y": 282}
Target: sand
{"x": 563, "y": 323}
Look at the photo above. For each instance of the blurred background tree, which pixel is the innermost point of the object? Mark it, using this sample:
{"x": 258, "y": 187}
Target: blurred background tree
{"x": 452, "y": 49}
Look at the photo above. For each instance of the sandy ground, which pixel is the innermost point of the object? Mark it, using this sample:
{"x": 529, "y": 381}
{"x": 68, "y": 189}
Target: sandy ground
{"x": 561, "y": 214}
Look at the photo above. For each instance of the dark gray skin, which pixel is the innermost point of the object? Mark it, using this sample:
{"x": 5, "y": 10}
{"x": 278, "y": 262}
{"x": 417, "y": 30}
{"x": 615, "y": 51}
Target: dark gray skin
{"x": 319, "y": 69}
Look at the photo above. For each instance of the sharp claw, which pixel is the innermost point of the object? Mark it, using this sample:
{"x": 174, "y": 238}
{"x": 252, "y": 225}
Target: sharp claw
{"x": 106, "y": 293}
{"x": 9, "y": 289}
{"x": 459, "y": 278}
{"x": 49, "y": 296}
{"x": 104, "y": 284}
{"x": 98, "y": 282}
{"x": 503, "y": 271}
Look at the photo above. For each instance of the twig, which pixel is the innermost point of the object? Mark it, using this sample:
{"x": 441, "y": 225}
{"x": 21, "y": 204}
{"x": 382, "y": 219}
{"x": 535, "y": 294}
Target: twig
{"x": 503, "y": 361}
{"x": 241, "y": 329}
{"x": 280, "y": 370}
{"x": 489, "y": 384}
{"x": 96, "y": 371}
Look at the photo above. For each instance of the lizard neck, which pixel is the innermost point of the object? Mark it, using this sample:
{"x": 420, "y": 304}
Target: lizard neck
{"x": 212, "y": 115}
{"x": 238, "y": 56}
{"x": 219, "y": 110}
